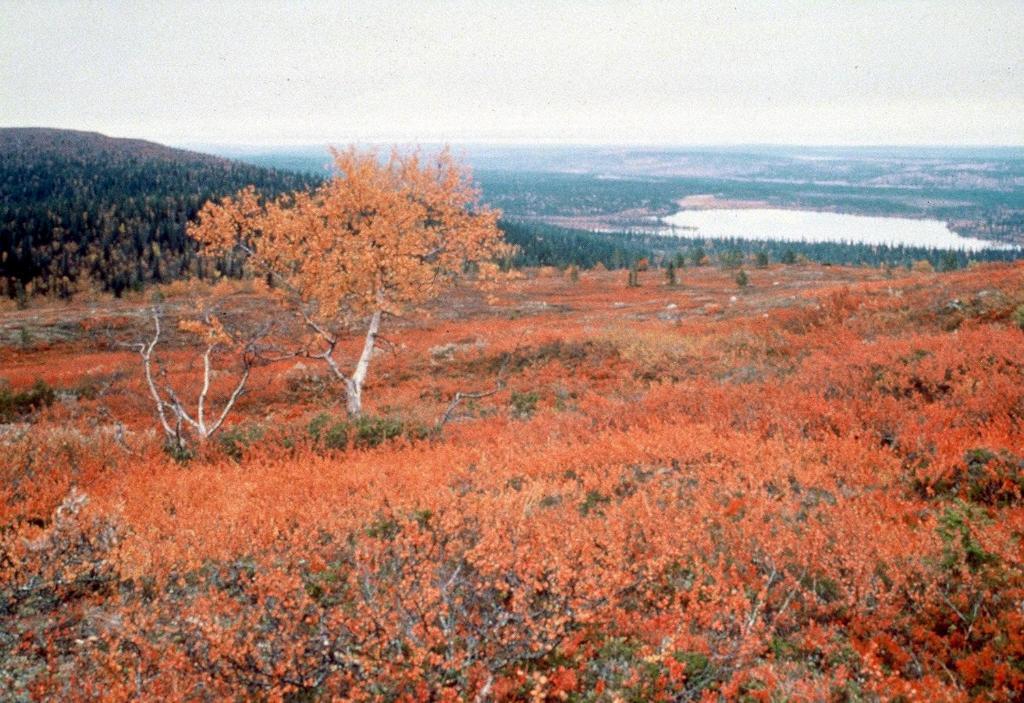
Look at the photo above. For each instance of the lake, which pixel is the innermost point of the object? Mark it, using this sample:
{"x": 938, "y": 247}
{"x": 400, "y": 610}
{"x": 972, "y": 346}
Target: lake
{"x": 813, "y": 226}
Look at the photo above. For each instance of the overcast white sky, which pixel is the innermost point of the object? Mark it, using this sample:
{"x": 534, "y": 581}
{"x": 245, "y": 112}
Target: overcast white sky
{"x": 803, "y": 72}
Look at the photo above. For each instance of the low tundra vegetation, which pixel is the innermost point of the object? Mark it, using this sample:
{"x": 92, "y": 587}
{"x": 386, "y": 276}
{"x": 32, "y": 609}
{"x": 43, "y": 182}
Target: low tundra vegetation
{"x": 812, "y": 492}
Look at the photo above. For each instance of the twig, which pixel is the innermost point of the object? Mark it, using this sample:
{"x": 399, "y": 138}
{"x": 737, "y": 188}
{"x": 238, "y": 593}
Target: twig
{"x": 476, "y": 395}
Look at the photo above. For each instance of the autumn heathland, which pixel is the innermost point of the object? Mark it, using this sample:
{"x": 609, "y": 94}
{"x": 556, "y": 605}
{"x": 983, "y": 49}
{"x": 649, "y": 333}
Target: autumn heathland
{"x": 441, "y": 481}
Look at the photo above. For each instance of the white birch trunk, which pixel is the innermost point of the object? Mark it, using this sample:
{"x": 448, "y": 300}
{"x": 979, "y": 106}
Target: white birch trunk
{"x": 354, "y": 384}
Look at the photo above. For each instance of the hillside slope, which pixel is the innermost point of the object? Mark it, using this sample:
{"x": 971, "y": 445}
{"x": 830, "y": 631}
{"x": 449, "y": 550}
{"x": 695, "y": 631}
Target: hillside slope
{"x": 81, "y": 208}
{"x": 808, "y": 489}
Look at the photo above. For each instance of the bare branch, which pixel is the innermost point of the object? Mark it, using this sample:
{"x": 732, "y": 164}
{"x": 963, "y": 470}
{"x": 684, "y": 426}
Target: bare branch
{"x": 146, "y": 352}
{"x": 201, "y": 405}
{"x": 179, "y": 408}
{"x": 460, "y": 396}
{"x": 235, "y": 395}
{"x": 169, "y": 405}
{"x": 319, "y": 329}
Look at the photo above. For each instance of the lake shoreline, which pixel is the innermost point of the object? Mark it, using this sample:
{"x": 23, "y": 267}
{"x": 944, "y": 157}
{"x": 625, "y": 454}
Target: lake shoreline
{"x": 760, "y": 223}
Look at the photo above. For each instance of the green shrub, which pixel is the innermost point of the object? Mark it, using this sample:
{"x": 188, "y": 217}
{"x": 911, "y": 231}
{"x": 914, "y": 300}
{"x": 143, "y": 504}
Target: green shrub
{"x": 181, "y": 453}
{"x": 701, "y": 674}
{"x": 336, "y": 435}
{"x": 524, "y": 405}
{"x": 15, "y": 405}
{"x": 329, "y": 431}
{"x": 329, "y": 587}
{"x": 619, "y": 665}
{"x": 592, "y": 503}
{"x": 369, "y": 431}
{"x": 235, "y": 440}
{"x": 983, "y": 477}
{"x": 317, "y": 426}
{"x": 384, "y": 528}
{"x": 633, "y": 280}
{"x": 1018, "y": 316}
{"x": 959, "y": 542}
{"x": 731, "y": 259}
{"x": 362, "y": 432}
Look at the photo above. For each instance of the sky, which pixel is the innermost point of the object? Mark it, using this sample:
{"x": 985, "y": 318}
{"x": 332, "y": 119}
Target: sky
{"x": 673, "y": 73}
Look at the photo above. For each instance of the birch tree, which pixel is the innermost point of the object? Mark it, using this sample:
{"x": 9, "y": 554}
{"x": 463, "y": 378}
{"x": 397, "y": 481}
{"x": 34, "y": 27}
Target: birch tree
{"x": 176, "y": 418}
{"x": 379, "y": 238}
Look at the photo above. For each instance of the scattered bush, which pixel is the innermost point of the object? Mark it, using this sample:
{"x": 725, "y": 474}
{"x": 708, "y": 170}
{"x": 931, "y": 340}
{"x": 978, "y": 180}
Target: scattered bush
{"x": 570, "y": 354}
{"x": 671, "y": 279}
{"x": 633, "y": 279}
{"x": 958, "y": 533}
{"x": 235, "y": 440}
{"x": 984, "y": 477}
{"x": 731, "y": 259}
{"x": 845, "y": 527}
{"x": 1018, "y": 316}
{"x": 363, "y": 432}
{"x": 524, "y": 404}
{"x": 16, "y": 405}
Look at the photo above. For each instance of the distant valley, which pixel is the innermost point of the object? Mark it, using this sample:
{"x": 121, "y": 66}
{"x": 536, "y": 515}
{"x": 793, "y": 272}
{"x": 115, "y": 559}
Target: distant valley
{"x": 80, "y": 210}
{"x": 978, "y": 191}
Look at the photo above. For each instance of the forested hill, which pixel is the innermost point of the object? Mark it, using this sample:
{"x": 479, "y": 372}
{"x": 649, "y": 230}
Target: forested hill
{"x": 81, "y": 208}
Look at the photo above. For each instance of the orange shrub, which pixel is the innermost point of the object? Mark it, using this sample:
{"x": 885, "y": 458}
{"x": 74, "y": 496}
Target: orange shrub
{"x": 815, "y": 497}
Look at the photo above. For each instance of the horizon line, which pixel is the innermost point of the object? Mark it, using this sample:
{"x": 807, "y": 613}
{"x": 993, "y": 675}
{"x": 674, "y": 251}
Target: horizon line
{"x": 377, "y": 140}
{"x": 542, "y": 142}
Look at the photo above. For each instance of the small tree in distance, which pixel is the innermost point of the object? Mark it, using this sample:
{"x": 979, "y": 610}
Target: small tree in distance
{"x": 633, "y": 279}
{"x": 670, "y": 274}
{"x": 378, "y": 238}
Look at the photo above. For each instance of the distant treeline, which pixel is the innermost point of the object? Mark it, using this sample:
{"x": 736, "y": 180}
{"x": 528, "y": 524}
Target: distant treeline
{"x": 548, "y": 245}
{"x": 995, "y": 213}
{"x": 79, "y": 209}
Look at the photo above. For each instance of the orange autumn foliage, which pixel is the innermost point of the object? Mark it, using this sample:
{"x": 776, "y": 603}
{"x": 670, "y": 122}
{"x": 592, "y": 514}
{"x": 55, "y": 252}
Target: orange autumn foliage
{"x": 376, "y": 239}
{"x": 812, "y": 493}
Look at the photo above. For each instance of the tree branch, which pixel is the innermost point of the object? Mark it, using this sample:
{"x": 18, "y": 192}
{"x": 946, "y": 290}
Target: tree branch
{"x": 460, "y": 396}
